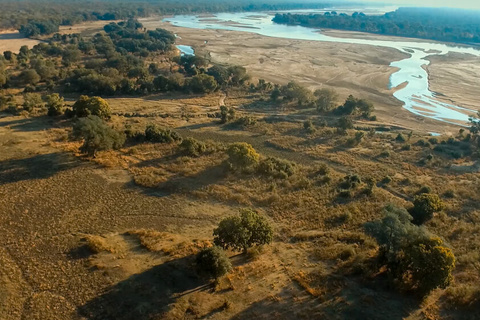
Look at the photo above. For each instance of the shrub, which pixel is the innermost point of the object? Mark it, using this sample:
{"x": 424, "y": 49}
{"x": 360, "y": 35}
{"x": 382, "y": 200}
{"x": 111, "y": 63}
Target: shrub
{"x": 387, "y": 180}
{"x": 245, "y": 121}
{"x": 31, "y": 101}
{"x": 400, "y": 138}
{"x": 276, "y": 168}
{"x": 55, "y": 105}
{"x": 242, "y": 156}
{"x": 433, "y": 140}
{"x": 29, "y": 77}
{"x": 95, "y": 106}
{"x": 384, "y": 154}
{"x": 192, "y": 147}
{"x": 350, "y": 182}
{"x": 243, "y": 231}
{"x": 97, "y": 135}
{"x": 425, "y": 264}
{"x": 308, "y": 126}
{"x": 203, "y": 83}
{"x": 226, "y": 114}
{"x": 213, "y": 261}
{"x": 154, "y": 133}
{"x": 424, "y": 189}
{"x": 415, "y": 259}
{"x": 424, "y": 206}
{"x": 406, "y": 147}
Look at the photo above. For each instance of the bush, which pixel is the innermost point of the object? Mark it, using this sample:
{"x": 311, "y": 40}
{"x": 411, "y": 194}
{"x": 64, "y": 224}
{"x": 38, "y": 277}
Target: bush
{"x": 213, "y": 261}
{"x": 308, "y": 126}
{"x": 276, "y": 168}
{"x": 226, "y": 114}
{"x": 350, "y": 182}
{"x": 245, "y": 121}
{"x": 203, "y": 83}
{"x": 433, "y": 140}
{"x": 400, "y": 138}
{"x": 416, "y": 260}
{"x": 406, "y": 147}
{"x": 154, "y": 133}
{"x": 55, "y": 105}
{"x": 192, "y": 147}
{"x": 424, "y": 189}
{"x": 29, "y": 77}
{"x": 424, "y": 206}
{"x": 95, "y": 106}
{"x": 242, "y": 156}
{"x": 31, "y": 101}
{"x": 243, "y": 231}
{"x": 97, "y": 135}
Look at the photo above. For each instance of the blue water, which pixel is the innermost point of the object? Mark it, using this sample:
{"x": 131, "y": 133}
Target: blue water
{"x": 186, "y": 50}
{"x": 415, "y": 96}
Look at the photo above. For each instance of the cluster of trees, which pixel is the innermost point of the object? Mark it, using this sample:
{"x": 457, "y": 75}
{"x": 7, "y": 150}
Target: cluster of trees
{"x": 69, "y": 12}
{"x": 415, "y": 259}
{"x": 237, "y": 233}
{"x": 114, "y": 63}
{"x": 35, "y": 28}
{"x": 453, "y": 25}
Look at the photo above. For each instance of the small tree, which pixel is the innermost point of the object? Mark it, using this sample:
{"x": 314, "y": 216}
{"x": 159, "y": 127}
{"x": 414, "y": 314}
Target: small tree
{"x": 326, "y": 99}
{"x": 154, "y": 133}
{"x": 192, "y": 147}
{"x": 226, "y": 114}
{"x": 29, "y": 77}
{"x": 203, "y": 83}
{"x": 424, "y": 206}
{"x": 426, "y": 264}
{"x": 55, "y": 105}
{"x": 242, "y": 156}
{"x": 31, "y": 101}
{"x": 213, "y": 261}
{"x": 95, "y": 106}
{"x": 97, "y": 135}
{"x": 243, "y": 231}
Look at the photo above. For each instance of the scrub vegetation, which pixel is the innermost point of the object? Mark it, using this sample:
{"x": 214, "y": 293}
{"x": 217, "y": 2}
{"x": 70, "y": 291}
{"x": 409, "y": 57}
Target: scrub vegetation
{"x": 140, "y": 183}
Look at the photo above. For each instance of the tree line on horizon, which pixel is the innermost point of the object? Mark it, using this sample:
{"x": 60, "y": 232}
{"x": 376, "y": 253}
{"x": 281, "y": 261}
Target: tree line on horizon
{"x": 442, "y": 24}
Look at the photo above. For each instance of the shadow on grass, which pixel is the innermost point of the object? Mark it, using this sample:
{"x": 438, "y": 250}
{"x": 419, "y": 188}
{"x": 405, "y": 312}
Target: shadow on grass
{"x": 347, "y": 301}
{"x": 28, "y": 124}
{"x": 36, "y": 167}
{"x": 146, "y": 295}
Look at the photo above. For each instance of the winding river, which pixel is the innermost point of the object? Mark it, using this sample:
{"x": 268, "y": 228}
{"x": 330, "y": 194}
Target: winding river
{"x": 415, "y": 94}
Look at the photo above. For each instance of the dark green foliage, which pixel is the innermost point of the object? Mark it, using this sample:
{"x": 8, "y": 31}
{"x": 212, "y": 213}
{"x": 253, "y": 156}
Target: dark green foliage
{"x": 406, "y": 147}
{"x": 424, "y": 189}
{"x": 36, "y": 28}
{"x": 203, "y": 83}
{"x": 400, "y": 138}
{"x": 192, "y": 147}
{"x": 96, "y": 135}
{"x": 424, "y": 206}
{"x": 213, "y": 261}
{"x": 415, "y": 259}
{"x": 157, "y": 134}
{"x": 298, "y": 93}
{"x": 433, "y": 140}
{"x": 276, "y": 168}
{"x": 226, "y": 114}
{"x": 451, "y": 25}
{"x": 95, "y": 106}
{"x": 343, "y": 124}
{"x": 243, "y": 231}
{"x": 353, "y": 106}
{"x": 245, "y": 121}
{"x": 29, "y": 77}
{"x": 308, "y": 126}
{"x": 350, "y": 182}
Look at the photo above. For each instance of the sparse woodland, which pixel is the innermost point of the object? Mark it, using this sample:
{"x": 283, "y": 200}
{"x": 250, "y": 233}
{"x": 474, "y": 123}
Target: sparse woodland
{"x": 242, "y": 198}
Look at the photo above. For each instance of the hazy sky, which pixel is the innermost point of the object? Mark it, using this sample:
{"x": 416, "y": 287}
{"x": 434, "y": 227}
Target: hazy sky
{"x": 470, "y": 4}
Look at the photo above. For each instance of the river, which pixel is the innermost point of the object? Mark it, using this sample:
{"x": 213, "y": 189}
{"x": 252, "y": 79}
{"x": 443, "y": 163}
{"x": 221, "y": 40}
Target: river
{"x": 415, "y": 94}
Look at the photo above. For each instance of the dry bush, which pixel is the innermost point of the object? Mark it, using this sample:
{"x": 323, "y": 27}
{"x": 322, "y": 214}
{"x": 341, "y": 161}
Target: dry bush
{"x": 99, "y": 244}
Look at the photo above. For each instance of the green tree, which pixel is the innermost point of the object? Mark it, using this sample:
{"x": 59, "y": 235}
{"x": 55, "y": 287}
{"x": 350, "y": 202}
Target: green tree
{"x": 95, "y": 106}
{"x": 425, "y": 264}
{"x": 424, "y": 206}
{"x": 55, "y": 105}
{"x": 213, "y": 261}
{"x": 242, "y": 156}
{"x": 243, "y": 231}
{"x": 29, "y": 77}
{"x": 326, "y": 99}
{"x": 154, "y": 133}
{"x": 192, "y": 147}
{"x": 96, "y": 135}
{"x": 203, "y": 83}
{"x": 31, "y": 101}
{"x": 226, "y": 114}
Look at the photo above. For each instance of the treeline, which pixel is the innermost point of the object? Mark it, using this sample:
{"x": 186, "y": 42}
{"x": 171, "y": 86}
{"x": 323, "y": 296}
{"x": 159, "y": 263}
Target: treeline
{"x": 452, "y": 25}
{"x": 18, "y": 13}
{"x": 127, "y": 59}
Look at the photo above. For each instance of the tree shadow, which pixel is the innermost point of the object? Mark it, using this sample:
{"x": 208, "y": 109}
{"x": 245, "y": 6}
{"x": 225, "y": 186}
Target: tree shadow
{"x": 146, "y": 295}
{"x": 350, "y": 301}
{"x": 28, "y": 124}
{"x": 36, "y": 167}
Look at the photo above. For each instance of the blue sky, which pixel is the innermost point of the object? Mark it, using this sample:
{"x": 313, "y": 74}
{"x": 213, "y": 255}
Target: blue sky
{"x": 470, "y": 4}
